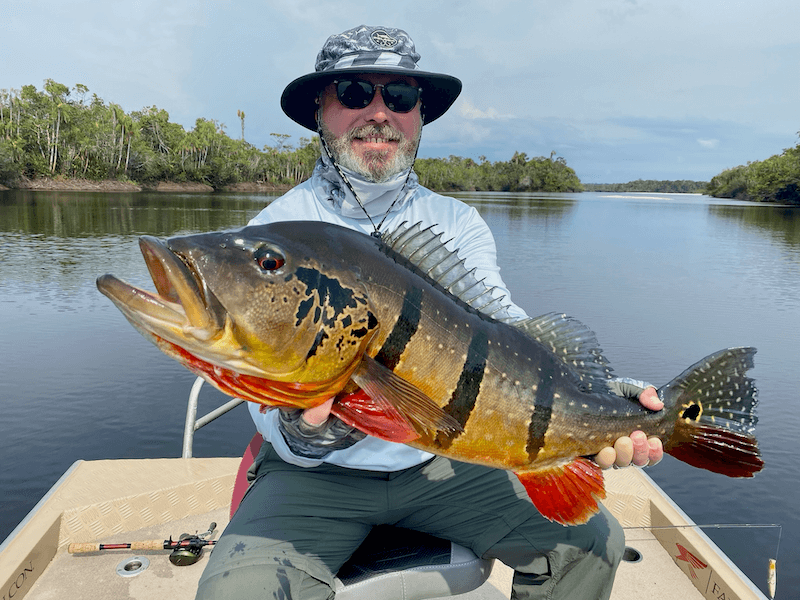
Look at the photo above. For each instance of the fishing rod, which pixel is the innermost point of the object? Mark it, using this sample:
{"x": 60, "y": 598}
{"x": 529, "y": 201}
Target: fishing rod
{"x": 772, "y": 572}
{"x": 186, "y": 550}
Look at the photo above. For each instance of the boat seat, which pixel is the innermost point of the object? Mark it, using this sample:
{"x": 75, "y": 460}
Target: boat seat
{"x": 393, "y": 563}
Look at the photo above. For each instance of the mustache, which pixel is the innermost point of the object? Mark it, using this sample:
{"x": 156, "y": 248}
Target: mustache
{"x": 384, "y": 131}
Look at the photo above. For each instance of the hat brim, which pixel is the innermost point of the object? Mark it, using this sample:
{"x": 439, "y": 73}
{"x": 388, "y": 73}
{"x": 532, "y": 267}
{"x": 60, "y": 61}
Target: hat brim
{"x": 298, "y": 100}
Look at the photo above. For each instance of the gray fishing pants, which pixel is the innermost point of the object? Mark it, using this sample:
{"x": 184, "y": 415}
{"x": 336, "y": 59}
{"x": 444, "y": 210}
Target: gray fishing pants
{"x": 297, "y": 526}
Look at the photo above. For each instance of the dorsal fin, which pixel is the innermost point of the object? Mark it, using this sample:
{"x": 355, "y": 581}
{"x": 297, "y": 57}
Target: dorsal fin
{"x": 569, "y": 339}
{"x": 575, "y": 344}
{"x": 427, "y": 252}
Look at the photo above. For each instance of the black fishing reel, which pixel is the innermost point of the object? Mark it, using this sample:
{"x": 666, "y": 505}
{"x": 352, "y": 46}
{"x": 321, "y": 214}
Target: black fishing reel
{"x": 189, "y": 548}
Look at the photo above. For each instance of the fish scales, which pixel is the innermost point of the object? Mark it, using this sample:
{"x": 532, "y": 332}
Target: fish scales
{"x": 459, "y": 358}
{"x": 416, "y": 350}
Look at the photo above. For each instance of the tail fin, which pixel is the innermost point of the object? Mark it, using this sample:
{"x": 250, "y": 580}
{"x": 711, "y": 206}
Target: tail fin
{"x": 714, "y": 405}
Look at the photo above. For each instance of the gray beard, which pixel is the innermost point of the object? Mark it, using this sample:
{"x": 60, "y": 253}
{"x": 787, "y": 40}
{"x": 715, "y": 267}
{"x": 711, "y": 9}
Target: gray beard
{"x": 373, "y": 165}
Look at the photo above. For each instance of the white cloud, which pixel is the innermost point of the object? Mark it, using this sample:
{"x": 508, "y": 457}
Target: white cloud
{"x": 468, "y": 110}
{"x": 708, "y": 143}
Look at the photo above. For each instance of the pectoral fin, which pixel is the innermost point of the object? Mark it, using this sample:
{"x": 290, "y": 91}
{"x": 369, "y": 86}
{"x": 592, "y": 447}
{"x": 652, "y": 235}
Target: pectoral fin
{"x": 379, "y": 419}
{"x": 395, "y": 395}
{"x": 567, "y": 494}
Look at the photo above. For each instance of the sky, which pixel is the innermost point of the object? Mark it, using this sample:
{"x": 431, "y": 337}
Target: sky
{"x": 622, "y": 89}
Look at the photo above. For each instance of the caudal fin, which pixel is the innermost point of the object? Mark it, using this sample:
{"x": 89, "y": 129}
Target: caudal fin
{"x": 714, "y": 403}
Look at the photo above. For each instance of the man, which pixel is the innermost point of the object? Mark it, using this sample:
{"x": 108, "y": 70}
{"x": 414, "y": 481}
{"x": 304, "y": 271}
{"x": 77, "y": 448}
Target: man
{"x": 319, "y": 486}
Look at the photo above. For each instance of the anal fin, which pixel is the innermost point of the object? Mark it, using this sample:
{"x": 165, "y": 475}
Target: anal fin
{"x": 567, "y": 494}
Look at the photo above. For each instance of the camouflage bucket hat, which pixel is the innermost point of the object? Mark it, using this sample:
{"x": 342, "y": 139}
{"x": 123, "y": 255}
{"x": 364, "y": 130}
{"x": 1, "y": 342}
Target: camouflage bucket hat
{"x": 367, "y": 49}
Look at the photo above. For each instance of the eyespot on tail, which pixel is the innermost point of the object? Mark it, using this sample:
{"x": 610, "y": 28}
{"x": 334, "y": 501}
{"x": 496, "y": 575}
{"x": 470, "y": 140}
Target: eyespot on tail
{"x": 714, "y": 404}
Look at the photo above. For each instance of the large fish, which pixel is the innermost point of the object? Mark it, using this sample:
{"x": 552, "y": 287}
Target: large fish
{"x": 417, "y": 351}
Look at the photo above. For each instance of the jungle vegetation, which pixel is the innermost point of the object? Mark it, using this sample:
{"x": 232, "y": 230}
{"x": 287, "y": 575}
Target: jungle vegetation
{"x": 58, "y": 132}
{"x": 70, "y": 133}
{"x": 776, "y": 179}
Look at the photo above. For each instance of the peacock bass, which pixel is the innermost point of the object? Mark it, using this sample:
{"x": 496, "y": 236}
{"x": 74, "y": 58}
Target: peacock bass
{"x": 418, "y": 351}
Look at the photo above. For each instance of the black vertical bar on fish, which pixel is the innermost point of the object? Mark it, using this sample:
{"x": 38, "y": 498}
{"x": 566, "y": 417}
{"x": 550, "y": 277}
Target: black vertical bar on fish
{"x": 540, "y": 416}
{"x": 464, "y": 397}
{"x": 404, "y": 329}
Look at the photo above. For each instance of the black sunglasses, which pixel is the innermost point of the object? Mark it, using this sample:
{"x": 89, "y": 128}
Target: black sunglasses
{"x": 398, "y": 97}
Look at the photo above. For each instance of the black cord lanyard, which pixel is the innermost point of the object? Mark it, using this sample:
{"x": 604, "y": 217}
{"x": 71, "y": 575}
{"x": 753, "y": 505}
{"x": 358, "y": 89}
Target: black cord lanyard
{"x": 377, "y": 232}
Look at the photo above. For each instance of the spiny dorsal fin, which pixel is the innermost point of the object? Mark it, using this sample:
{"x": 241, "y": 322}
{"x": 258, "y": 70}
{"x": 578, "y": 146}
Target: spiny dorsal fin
{"x": 426, "y": 251}
{"x": 575, "y": 344}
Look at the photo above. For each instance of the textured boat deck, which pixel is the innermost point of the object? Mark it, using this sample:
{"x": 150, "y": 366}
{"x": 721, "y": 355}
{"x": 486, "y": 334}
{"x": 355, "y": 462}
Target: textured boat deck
{"x": 94, "y": 576}
{"x": 134, "y": 500}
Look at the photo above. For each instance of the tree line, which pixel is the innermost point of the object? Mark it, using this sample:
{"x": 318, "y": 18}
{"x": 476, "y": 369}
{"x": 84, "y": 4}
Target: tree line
{"x": 70, "y": 133}
{"x": 62, "y": 132}
{"x": 520, "y": 174}
{"x": 776, "y": 179}
{"x": 682, "y": 186}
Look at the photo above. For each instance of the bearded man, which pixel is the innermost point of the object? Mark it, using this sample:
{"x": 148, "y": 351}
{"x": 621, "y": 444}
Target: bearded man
{"x": 319, "y": 486}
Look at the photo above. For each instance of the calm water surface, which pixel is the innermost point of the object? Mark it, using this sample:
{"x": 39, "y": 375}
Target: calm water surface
{"x": 663, "y": 279}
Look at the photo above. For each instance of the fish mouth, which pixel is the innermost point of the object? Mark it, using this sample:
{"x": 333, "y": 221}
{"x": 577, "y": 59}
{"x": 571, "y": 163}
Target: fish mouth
{"x": 183, "y": 311}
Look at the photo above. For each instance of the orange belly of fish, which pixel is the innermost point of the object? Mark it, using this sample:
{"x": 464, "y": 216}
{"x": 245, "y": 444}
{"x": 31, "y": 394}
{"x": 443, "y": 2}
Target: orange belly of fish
{"x": 259, "y": 389}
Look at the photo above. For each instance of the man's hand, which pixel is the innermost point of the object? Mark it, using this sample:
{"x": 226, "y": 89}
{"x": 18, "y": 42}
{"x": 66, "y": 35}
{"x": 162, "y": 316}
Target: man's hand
{"x": 636, "y": 449}
{"x": 319, "y": 414}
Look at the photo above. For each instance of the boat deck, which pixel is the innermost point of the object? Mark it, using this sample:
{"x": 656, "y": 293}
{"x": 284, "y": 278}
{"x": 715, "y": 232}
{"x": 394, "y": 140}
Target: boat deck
{"x": 125, "y": 500}
{"x": 95, "y": 576}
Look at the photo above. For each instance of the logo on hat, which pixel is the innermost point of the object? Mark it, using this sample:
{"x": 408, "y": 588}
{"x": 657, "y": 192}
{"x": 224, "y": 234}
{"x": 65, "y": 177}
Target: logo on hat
{"x": 383, "y": 39}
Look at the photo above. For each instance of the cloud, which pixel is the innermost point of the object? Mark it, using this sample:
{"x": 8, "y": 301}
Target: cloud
{"x": 468, "y": 110}
{"x": 708, "y": 143}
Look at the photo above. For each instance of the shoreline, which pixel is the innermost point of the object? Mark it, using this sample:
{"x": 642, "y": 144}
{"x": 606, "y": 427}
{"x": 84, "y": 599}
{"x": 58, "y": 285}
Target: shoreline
{"x": 111, "y": 185}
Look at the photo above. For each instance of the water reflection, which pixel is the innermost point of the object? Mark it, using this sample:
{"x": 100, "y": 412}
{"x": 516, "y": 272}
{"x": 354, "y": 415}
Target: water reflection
{"x": 781, "y": 222}
{"x": 78, "y": 214}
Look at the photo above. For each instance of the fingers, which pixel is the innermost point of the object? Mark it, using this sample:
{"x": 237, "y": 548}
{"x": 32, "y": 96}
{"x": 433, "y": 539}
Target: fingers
{"x": 605, "y": 458}
{"x": 641, "y": 449}
{"x": 624, "y": 449}
{"x": 637, "y": 450}
{"x": 650, "y": 400}
{"x": 656, "y": 451}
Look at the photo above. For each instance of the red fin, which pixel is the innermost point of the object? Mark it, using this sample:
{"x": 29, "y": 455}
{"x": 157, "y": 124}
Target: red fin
{"x": 566, "y": 494}
{"x": 715, "y": 449}
{"x": 378, "y": 419}
{"x": 396, "y": 394}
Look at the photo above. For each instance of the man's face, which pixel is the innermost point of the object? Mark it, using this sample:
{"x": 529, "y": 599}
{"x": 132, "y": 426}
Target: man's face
{"x": 372, "y": 141}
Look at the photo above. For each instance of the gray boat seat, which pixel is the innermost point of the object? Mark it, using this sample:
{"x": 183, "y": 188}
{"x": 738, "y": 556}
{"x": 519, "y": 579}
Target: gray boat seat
{"x": 394, "y": 563}
{"x": 400, "y": 564}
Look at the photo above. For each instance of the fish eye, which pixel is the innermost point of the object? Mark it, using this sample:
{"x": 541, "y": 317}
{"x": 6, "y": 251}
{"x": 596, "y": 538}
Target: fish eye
{"x": 269, "y": 259}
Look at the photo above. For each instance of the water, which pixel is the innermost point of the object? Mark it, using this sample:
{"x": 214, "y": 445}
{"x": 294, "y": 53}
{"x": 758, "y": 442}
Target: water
{"x": 663, "y": 279}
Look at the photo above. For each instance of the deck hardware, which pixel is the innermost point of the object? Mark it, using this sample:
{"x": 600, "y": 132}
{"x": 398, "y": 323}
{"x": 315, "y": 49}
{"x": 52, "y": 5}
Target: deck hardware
{"x": 132, "y": 566}
{"x": 631, "y": 555}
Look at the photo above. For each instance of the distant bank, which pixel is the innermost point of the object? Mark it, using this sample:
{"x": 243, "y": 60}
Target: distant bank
{"x": 111, "y": 185}
{"x": 649, "y": 185}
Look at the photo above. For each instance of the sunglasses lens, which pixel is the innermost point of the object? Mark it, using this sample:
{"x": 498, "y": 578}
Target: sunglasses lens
{"x": 354, "y": 94}
{"x": 398, "y": 97}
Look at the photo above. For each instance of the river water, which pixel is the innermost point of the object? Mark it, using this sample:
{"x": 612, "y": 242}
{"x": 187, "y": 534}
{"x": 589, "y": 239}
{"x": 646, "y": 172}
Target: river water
{"x": 664, "y": 280}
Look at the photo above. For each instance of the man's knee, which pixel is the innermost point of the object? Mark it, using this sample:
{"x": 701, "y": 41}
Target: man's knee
{"x": 262, "y": 581}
